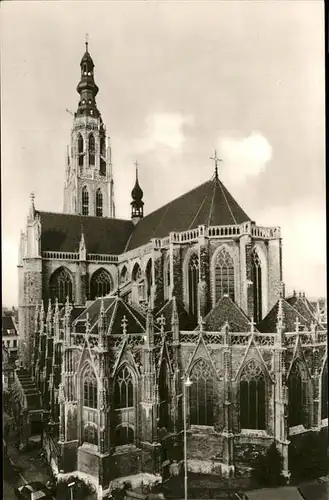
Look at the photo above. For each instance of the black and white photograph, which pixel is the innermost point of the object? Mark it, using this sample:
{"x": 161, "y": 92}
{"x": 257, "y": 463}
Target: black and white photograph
{"x": 164, "y": 291}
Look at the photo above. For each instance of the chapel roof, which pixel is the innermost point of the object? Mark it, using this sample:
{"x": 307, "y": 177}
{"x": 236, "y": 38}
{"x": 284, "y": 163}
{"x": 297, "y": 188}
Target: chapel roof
{"x": 208, "y": 204}
{"x": 115, "y": 308}
{"x": 103, "y": 235}
{"x": 186, "y": 322}
{"x": 302, "y": 304}
{"x": 290, "y": 313}
{"x": 226, "y": 311}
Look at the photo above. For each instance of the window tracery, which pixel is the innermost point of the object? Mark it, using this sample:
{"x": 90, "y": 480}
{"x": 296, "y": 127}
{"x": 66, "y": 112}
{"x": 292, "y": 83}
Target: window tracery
{"x": 85, "y": 201}
{"x": 124, "y": 389}
{"x": 202, "y": 394}
{"x": 224, "y": 275}
{"x": 89, "y": 388}
{"x": 91, "y": 149}
{"x": 80, "y": 150}
{"x": 100, "y": 284}
{"x": 252, "y": 396}
{"x": 99, "y": 203}
{"x": 61, "y": 285}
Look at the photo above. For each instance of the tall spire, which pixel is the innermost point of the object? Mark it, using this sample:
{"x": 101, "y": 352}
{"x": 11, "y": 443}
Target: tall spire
{"x": 137, "y": 204}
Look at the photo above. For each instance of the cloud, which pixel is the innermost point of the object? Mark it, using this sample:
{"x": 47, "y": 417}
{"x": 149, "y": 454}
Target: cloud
{"x": 163, "y": 129}
{"x": 303, "y": 228}
{"x": 243, "y": 157}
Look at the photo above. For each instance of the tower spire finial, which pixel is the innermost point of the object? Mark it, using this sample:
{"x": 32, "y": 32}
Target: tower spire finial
{"x": 86, "y": 41}
{"x": 216, "y": 160}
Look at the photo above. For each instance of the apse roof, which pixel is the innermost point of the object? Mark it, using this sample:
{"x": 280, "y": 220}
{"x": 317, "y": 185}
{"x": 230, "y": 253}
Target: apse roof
{"x": 226, "y": 310}
{"x": 290, "y": 313}
{"x": 304, "y": 307}
{"x": 103, "y": 235}
{"x": 208, "y": 204}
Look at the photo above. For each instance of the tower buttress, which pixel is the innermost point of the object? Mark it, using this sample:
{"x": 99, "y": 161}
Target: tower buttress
{"x": 88, "y": 188}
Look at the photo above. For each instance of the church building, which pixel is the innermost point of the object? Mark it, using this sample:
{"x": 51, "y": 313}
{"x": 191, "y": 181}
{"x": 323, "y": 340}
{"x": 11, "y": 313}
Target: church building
{"x": 124, "y": 321}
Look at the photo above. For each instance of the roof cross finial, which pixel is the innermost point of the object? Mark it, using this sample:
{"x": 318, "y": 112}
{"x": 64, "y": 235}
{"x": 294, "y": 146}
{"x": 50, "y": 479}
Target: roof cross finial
{"x": 124, "y": 323}
{"x": 252, "y": 325}
{"x": 297, "y": 324}
{"x": 86, "y": 41}
{"x": 216, "y": 160}
{"x": 136, "y": 166}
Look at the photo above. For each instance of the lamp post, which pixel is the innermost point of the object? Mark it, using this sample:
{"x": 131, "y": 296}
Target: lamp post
{"x": 70, "y": 486}
{"x": 187, "y": 383}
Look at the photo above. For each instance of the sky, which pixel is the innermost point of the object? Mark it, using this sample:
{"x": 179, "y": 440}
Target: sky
{"x": 176, "y": 80}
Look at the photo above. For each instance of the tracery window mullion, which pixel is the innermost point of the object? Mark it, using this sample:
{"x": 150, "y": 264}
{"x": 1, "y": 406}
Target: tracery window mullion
{"x": 85, "y": 201}
{"x": 99, "y": 203}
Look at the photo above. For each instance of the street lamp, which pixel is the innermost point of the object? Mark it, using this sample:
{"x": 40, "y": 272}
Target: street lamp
{"x": 70, "y": 485}
{"x": 187, "y": 383}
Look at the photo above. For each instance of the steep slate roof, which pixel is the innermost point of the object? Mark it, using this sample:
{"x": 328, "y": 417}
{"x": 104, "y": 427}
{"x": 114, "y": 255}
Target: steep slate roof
{"x": 268, "y": 324}
{"x": 62, "y": 233}
{"x": 226, "y": 310}
{"x": 210, "y": 204}
{"x": 7, "y": 323}
{"x": 184, "y": 319}
{"x": 303, "y": 306}
{"x": 115, "y": 308}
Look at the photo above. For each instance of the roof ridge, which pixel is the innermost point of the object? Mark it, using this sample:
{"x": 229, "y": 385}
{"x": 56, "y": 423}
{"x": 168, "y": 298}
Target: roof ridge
{"x": 177, "y": 198}
{"x": 227, "y": 203}
{"x": 80, "y": 215}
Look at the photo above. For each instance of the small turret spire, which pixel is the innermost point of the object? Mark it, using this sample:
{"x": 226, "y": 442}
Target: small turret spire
{"x": 137, "y": 204}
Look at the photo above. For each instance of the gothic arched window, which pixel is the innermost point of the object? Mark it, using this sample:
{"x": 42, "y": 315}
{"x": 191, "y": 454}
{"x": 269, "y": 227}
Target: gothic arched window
{"x": 137, "y": 273}
{"x": 297, "y": 395}
{"x": 193, "y": 280}
{"x": 257, "y": 285}
{"x": 61, "y": 285}
{"x": 324, "y": 392}
{"x": 166, "y": 278}
{"x": 224, "y": 275}
{"x": 123, "y": 275}
{"x": 124, "y": 389}
{"x": 90, "y": 433}
{"x": 89, "y": 388}
{"x": 99, "y": 203}
{"x": 85, "y": 201}
{"x": 164, "y": 394}
{"x": 80, "y": 150}
{"x": 202, "y": 394}
{"x": 91, "y": 149}
{"x": 148, "y": 273}
{"x": 252, "y": 397}
{"x": 124, "y": 434}
{"x": 100, "y": 284}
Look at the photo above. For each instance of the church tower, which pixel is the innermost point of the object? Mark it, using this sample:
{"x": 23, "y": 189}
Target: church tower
{"x": 88, "y": 186}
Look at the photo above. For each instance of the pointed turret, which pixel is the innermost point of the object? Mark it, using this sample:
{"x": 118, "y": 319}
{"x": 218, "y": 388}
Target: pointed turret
{"x": 175, "y": 320}
{"x": 137, "y": 204}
